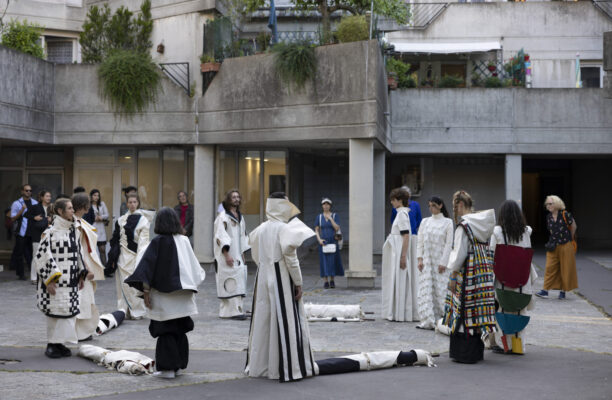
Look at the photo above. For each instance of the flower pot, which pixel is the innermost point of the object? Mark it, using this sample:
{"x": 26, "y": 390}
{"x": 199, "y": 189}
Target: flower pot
{"x": 491, "y": 68}
{"x": 210, "y": 67}
{"x": 392, "y": 83}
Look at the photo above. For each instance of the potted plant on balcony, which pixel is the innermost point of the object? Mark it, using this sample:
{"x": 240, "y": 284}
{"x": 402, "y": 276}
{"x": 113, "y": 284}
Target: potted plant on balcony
{"x": 491, "y": 66}
{"x": 208, "y": 63}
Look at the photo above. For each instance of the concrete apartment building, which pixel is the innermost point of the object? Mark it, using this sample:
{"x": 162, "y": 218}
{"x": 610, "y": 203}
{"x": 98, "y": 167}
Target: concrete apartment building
{"x": 344, "y": 136}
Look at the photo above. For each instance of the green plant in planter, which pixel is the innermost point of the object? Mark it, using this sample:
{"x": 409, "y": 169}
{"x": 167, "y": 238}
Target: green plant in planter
{"x": 295, "y": 62}
{"x": 23, "y": 37}
{"x": 507, "y": 82}
{"x": 400, "y": 70}
{"x": 129, "y": 81}
{"x": 207, "y": 58}
{"x": 353, "y": 28}
{"x": 493, "y": 82}
{"x": 263, "y": 41}
{"x": 450, "y": 81}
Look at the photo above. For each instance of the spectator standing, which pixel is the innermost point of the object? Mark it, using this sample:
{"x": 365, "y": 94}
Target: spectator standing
{"x": 130, "y": 190}
{"x": 560, "y": 250}
{"x": 435, "y": 242}
{"x": 100, "y": 221}
{"x": 184, "y": 210}
{"x": 39, "y": 216}
{"x": 327, "y": 228}
{"x": 21, "y": 228}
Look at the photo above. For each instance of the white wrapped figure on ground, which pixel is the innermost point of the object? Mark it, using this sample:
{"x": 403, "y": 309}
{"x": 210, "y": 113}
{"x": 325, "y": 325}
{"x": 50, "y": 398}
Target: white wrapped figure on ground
{"x": 399, "y": 297}
{"x": 279, "y": 338}
{"x": 88, "y": 317}
{"x": 130, "y": 237}
{"x": 230, "y": 242}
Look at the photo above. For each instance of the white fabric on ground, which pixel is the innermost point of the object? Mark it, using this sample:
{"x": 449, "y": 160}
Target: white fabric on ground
{"x": 338, "y": 312}
{"x": 126, "y": 362}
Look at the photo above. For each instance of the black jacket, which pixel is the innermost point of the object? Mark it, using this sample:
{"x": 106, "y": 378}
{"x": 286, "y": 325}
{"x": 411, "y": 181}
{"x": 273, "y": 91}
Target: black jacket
{"x": 188, "y": 218}
{"x": 36, "y": 228}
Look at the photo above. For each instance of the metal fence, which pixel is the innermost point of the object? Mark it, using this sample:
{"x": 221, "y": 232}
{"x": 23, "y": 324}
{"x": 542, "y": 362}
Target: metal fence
{"x": 178, "y": 73}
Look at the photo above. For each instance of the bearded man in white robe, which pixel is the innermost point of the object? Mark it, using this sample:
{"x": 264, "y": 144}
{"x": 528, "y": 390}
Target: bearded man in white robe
{"x": 279, "y": 339}
{"x": 230, "y": 242}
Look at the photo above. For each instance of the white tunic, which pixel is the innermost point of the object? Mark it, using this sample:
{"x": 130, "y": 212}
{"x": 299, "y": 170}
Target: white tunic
{"x": 228, "y": 231}
{"x": 279, "y": 339}
{"x": 525, "y": 242}
{"x": 399, "y": 299}
{"x": 434, "y": 244}
{"x": 127, "y": 297}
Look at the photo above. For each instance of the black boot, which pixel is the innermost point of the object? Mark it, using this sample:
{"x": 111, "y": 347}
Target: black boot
{"x": 53, "y": 351}
{"x": 65, "y": 351}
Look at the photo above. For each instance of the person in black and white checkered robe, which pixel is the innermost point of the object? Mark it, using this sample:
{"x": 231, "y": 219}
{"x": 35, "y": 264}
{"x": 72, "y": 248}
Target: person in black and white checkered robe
{"x": 60, "y": 277}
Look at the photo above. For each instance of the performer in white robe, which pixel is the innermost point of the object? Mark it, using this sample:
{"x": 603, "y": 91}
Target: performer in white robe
{"x": 434, "y": 244}
{"x": 279, "y": 339}
{"x": 399, "y": 300}
{"x": 60, "y": 277}
{"x": 88, "y": 317}
{"x": 130, "y": 237}
{"x": 230, "y": 242}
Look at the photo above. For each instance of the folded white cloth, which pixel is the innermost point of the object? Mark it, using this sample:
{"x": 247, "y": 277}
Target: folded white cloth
{"x": 334, "y": 312}
{"x": 126, "y": 362}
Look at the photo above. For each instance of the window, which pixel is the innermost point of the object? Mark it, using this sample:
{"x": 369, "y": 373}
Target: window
{"x": 591, "y": 76}
{"x": 59, "y": 51}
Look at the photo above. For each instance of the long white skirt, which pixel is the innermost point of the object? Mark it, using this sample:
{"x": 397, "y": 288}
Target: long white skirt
{"x": 87, "y": 319}
{"x": 127, "y": 296}
{"x": 399, "y": 286}
{"x": 231, "y": 307}
{"x": 61, "y": 330}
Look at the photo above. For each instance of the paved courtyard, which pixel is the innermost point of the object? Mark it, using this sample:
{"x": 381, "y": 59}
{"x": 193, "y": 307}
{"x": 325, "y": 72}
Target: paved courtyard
{"x": 569, "y": 343}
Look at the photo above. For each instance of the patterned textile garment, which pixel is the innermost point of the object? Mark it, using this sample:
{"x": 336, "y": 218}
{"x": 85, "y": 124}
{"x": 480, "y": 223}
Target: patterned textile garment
{"x": 57, "y": 260}
{"x": 473, "y": 304}
{"x": 434, "y": 244}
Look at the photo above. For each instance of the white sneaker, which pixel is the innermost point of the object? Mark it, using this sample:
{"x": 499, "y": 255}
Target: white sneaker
{"x": 164, "y": 374}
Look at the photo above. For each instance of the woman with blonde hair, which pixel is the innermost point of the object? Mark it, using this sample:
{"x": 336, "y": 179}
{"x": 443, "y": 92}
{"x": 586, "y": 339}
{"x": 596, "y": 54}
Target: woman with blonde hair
{"x": 560, "y": 249}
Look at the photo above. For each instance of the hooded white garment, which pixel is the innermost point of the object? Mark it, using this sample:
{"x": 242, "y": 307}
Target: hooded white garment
{"x": 279, "y": 339}
{"x": 87, "y": 319}
{"x": 399, "y": 289}
{"x": 482, "y": 224}
{"x": 231, "y": 281}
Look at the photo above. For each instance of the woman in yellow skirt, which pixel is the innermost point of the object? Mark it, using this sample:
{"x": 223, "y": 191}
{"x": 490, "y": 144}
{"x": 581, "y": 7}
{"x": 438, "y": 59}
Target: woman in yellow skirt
{"x": 560, "y": 249}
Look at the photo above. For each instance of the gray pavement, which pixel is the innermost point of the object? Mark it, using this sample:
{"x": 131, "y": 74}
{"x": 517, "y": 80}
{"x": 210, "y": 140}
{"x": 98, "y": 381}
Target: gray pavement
{"x": 569, "y": 348}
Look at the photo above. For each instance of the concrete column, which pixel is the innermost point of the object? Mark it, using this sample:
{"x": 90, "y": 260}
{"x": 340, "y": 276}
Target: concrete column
{"x": 361, "y": 213}
{"x": 378, "y": 233}
{"x": 204, "y": 202}
{"x": 514, "y": 176}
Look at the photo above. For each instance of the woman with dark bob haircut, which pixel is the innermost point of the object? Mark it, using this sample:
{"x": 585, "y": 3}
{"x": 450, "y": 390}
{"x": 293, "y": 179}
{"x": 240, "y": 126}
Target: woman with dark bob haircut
{"x": 168, "y": 223}
{"x": 168, "y": 273}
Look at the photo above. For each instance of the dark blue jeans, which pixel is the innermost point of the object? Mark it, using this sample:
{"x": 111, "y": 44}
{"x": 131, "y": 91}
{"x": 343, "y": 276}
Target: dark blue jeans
{"x": 23, "y": 248}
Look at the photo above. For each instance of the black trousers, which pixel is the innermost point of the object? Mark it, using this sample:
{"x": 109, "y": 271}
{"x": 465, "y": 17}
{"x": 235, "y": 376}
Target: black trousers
{"x": 23, "y": 248}
{"x": 172, "y": 350}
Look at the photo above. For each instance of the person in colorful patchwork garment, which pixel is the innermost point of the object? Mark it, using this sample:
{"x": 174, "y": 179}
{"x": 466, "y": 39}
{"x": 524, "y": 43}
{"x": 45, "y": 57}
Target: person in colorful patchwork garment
{"x": 470, "y": 302}
{"x": 60, "y": 277}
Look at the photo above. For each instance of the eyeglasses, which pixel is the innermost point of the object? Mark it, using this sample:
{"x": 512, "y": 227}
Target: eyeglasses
{"x": 27, "y": 190}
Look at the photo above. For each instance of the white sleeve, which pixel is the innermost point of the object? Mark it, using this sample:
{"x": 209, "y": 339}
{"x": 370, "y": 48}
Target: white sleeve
{"x": 421, "y": 239}
{"x": 459, "y": 252}
{"x": 222, "y": 238}
{"x": 493, "y": 241}
{"x": 403, "y": 222}
{"x": 448, "y": 244}
{"x": 293, "y": 265}
{"x": 142, "y": 230}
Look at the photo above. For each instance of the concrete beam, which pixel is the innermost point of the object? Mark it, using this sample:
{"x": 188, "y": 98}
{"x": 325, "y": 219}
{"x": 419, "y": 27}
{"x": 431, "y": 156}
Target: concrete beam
{"x": 361, "y": 213}
{"x": 514, "y": 174}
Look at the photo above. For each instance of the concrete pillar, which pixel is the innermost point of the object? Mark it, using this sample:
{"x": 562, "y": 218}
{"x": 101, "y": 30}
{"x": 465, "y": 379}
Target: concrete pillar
{"x": 514, "y": 176}
{"x": 361, "y": 213}
{"x": 204, "y": 202}
{"x": 378, "y": 233}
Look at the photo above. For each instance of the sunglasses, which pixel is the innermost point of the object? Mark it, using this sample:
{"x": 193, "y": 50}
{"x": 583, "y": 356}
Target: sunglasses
{"x": 26, "y": 190}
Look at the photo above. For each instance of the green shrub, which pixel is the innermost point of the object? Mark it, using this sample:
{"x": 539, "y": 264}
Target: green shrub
{"x": 207, "y": 58}
{"x": 493, "y": 82}
{"x": 263, "y": 41}
{"x": 129, "y": 80}
{"x": 399, "y": 67}
{"x": 353, "y": 28}
{"x": 507, "y": 82}
{"x": 295, "y": 62}
{"x": 450, "y": 81}
{"x": 23, "y": 37}
{"x": 405, "y": 82}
